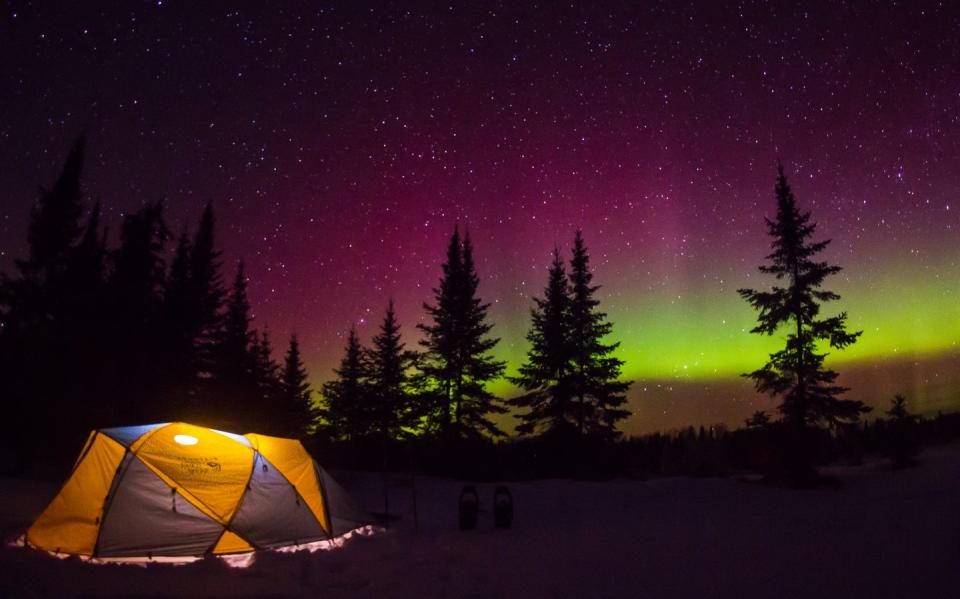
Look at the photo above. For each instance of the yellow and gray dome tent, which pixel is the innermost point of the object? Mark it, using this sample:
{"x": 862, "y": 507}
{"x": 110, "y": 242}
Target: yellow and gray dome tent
{"x": 176, "y": 489}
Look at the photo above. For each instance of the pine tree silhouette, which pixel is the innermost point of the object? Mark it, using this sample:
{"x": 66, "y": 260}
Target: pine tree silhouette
{"x": 457, "y": 362}
{"x": 570, "y": 376}
{"x": 193, "y": 311}
{"x": 901, "y": 443}
{"x": 796, "y": 373}
{"x": 42, "y": 372}
{"x": 235, "y": 392}
{"x": 236, "y": 336}
{"x": 390, "y": 398}
{"x": 441, "y": 360}
{"x": 206, "y": 292}
{"x": 85, "y": 332}
{"x": 135, "y": 289}
{"x": 478, "y": 367}
{"x": 88, "y": 259}
{"x": 91, "y": 337}
{"x": 41, "y": 294}
{"x": 295, "y": 398}
{"x": 55, "y": 221}
{"x": 179, "y": 334}
{"x": 139, "y": 269}
{"x": 898, "y": 411}
{"x": 759, "y": 419}
{"x": 177, "y": 291}
{"x": 545, "y": 376}
{"x": 599, "y": 395}
{"x": 266, "y": 412}
{"x": 344, "y": 400}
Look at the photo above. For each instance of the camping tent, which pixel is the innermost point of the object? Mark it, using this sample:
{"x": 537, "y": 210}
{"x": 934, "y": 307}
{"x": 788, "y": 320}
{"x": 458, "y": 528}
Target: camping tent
{"x": 177, "y": 489}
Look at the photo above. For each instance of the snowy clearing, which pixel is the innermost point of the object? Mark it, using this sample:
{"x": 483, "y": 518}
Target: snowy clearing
{"x": 880, "y": 533}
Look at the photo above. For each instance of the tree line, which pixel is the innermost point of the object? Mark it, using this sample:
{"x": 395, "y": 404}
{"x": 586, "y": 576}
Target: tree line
{"x": 570, "y": 379}
{"x": 95, "y": 335}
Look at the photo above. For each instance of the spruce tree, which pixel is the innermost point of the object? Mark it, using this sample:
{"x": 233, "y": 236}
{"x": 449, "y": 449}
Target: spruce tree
{"x": 55, "y": 221}
{"x": 193, "y": 310}
{"x": 440, "y": 363}
{"x": 898, "y": 411}
{"x": 39, "y": 299}
{"x": 88, "y": 260}
{"x": 808, "y": 391}
{"x": 206, "y": 292}
{"x": 135, "y": 289}
{"x": 295, "y": 397}
{"x": 177, "y": 298}
{"x": 236, "y": 337}
{"x": 177, "y": 291}
{"x": 900, "y": 434}
{"x": 234, "y": 395}
{"x": 85, "y": 333}
{"x": 178, "y": 334}
{"x": 344, "y": 400}
{"x": 86, "y": 277}
{"x": 476, "y": 403}
{"x": 266, "y": 411}
{"x": 545, "y": 376}
{"x": 599, "y": 395}
{"x": 759, "y": 419}
{"x": 388, "y": 379}
{"x": 139, "y": 269}
{"x": 39, "y": 363}
{"x": 457, "y": 361}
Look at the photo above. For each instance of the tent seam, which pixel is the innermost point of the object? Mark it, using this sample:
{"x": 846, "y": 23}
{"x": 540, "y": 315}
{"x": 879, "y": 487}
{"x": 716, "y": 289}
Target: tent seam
{"x": 299, "y": 495}
{"x": 111, "y": 493}
{"x": 83, "y": 454}
{"x": 326, "y": 500}
{"x": 146, "y": 436}
{"x": 246, "y": 487}
{"x": 86, "y": 451}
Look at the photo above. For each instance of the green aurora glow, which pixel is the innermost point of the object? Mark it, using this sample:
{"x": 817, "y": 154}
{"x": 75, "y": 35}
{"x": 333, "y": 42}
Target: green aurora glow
{"x": 696, "y": 338}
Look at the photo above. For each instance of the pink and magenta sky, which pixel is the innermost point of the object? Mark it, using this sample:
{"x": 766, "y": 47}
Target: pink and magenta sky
{"x": 341, "y": 143}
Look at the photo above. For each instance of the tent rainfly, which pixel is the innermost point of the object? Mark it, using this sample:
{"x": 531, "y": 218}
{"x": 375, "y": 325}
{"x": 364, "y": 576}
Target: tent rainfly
{"x": 177, "y": 489}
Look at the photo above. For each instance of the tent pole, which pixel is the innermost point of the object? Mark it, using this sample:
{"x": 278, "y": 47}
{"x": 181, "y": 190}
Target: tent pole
{"x": 413, "y": 488}
{"x": 386, "y": 500}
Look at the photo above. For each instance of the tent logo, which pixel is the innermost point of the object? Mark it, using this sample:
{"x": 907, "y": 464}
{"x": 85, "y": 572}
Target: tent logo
{"x": 196, "y": 467}
{"x": 199, "y": 467}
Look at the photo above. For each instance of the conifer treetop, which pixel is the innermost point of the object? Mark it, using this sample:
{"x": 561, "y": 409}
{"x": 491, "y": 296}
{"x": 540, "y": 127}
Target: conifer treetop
{"x": 809, "y": 391}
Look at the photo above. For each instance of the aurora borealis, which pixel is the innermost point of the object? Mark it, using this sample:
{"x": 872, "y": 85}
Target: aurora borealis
{"x": 341, "y": 143}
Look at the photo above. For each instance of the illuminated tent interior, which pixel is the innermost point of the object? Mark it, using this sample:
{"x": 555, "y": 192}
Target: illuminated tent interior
{"x": 177, "y": 489}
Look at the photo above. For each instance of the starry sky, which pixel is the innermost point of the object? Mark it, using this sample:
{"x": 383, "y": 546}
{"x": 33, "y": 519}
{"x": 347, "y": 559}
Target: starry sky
{"x": 341, "y": 142}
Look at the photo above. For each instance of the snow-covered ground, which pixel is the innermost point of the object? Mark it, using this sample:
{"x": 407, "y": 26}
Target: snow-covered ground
{"x": 881, "y": 533}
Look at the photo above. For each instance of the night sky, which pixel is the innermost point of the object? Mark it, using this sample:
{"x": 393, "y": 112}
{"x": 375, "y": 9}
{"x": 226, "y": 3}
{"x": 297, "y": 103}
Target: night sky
{"x": 340, "y": 144}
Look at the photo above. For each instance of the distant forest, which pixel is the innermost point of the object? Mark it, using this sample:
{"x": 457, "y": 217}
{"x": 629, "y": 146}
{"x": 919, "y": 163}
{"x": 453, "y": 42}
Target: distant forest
{"x": 153, "y": 327}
